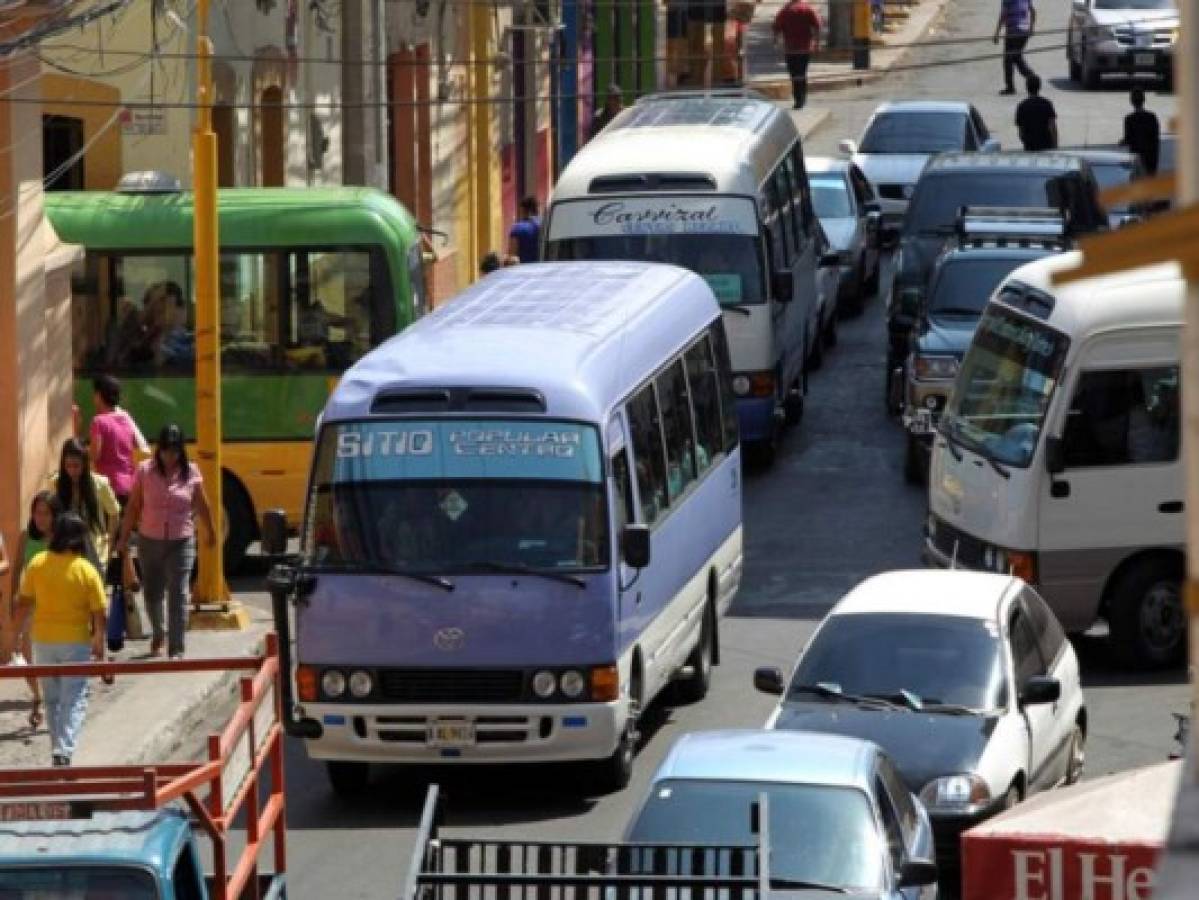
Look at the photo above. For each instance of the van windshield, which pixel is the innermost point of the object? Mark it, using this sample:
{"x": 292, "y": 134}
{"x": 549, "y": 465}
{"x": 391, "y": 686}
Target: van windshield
{"x": 730, "y": 263}
{"x": 67, "y": 882}
{"x": 457, "y": 496}
{"x": 998, "y": 404}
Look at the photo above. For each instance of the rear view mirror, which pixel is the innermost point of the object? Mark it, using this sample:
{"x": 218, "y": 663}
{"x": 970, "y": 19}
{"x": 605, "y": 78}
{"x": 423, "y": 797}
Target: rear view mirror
{"x": 782, "y": 285}
{"x": 917, "y": 872}
{"x": 635, "y": 545}
{"x": 1039, "y": 689}
{"x": 847, "y": 147}
{"x": 274, "y": 532}
{"x": 769, "y": 680}
{"x": 1055, "y": 456}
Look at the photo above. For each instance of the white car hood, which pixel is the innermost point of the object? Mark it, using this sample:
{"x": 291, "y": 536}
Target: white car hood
{"x": 839, "y": 231}
{"x": 1152, "y": 18}
{"x": 886, "y": 168}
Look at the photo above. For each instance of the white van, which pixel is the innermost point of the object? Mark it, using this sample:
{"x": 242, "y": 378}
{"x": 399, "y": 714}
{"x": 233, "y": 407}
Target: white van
{"x": 714, "y": 182}
{"x": 1058, "y": 458}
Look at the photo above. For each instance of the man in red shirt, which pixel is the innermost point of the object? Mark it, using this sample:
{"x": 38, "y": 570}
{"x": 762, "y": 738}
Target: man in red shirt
{"x": 799, "y": 27}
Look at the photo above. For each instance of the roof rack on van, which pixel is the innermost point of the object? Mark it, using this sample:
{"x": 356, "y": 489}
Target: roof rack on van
{"x": 1012, "y": 225}
{"x": 732, "y": 92}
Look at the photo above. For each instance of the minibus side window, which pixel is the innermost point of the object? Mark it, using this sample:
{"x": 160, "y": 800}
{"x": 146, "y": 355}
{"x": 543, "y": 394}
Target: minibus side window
{"x": 802, "y": 188}
{"x": 704, "y": 381}
{"x": 774, "y": 225}
{"x": 1123, "y": 417}
{"x": 724, "y": 374}
{"x": 649, "y": 454}
{"x": 786, "y": 187}
{"x": 676, "y": 423}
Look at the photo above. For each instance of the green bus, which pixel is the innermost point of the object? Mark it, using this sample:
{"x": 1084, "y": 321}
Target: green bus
{"x": 310, "y": 280}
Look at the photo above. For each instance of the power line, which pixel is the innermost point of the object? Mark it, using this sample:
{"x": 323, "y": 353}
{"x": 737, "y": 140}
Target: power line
{"x": 38, "y": 35}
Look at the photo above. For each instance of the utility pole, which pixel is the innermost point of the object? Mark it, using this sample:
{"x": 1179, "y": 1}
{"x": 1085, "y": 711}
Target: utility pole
{"x": 211, "y": 603}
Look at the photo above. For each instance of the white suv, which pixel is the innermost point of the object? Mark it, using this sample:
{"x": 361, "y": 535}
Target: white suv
{"x": 1121, "y": 36}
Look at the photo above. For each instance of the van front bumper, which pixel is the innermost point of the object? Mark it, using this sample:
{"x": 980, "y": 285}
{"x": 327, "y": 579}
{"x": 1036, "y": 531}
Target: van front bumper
{"x": 392, "y": 733}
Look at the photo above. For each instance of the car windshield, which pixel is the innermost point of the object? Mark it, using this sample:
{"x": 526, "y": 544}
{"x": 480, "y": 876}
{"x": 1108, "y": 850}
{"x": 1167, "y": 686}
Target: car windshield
{"x": 941, "y": 195}
{"x": 998, "y": 403}
{"x": 915, "y": 132}
{"x": 443, "y": 497}
{"x": 76, "y": 883}
{"x": 940, "y": 659}
{"x": 830, "y": 197}
{"x": 730, "y": 263}
{"x": 1112, "y": 175}
{"x": 818, "y": 833}
{"x": 963, "y": 286}
{"x": 1134, "y": 4}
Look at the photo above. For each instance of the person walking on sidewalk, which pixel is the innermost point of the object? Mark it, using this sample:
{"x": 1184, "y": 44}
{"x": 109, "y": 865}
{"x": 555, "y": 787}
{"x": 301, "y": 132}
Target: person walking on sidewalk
{"x": 43, "y": 514}
{"x": 89, "y": 495}
{"x": 1017, "y": 20}
{"x": 1142, "y": 132}
{"x": 1036, "y": 119}
{"x": 168, "y": 495}
{"x": 65, "y": 596}
{"x": 799, "y": 27}
{"x": 524, "y": 237}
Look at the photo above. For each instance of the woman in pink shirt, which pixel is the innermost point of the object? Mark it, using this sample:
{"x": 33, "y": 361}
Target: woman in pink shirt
{"x": 114, "y": 438}
{"x": 168, "y": 493}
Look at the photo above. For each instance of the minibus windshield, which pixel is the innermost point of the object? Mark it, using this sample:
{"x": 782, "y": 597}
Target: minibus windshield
{"x": 457, "y": 497}
{"x": 1007, "y": 379}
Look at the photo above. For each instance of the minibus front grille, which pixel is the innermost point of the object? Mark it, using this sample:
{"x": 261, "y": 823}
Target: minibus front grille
{"x": 965, "y": 549}
{"x": 452, "y": 685}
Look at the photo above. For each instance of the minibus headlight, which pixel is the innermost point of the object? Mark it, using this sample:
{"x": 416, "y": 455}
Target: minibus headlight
{"x": 955, "y": 792}
{"x": 741, "y": 385}
{"x": 333, "y": 683}
{"x": 544, "y": 684}
{"x": 361, "y": 684}
{"x": 935, "y": 368}
{"x": 573, "y": 684}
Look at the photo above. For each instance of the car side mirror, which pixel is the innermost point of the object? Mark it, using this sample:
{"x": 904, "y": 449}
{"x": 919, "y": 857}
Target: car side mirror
{"x": 769, "y": 680}
{"x": 872, "y": 208}
{"x": 274, "y": 532}
{"x": 916, "y": 872}
{"x": 1055, "y": 456}
{"x": 848, "y": 147}
{"x": 1040, "y": 689}
{"x": 991, "y": 145}
{"x": 635, "y": 545}
{"x": 782, "y": 285}
{"x": 828, "y": 260}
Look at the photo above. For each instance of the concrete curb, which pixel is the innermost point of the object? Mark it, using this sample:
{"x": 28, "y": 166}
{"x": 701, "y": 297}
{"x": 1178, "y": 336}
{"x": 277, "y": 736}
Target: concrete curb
{"x": 808, "y": 120}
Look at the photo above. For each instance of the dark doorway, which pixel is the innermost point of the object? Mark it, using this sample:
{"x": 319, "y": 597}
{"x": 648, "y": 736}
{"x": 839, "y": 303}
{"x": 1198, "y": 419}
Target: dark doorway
{"x": 62, "y": 153}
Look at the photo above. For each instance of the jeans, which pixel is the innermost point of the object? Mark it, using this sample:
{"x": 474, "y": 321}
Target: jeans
{"x": 65, "y": 698}
{"x": 1013, "y": 58}
{"x": 797, "y": 68}
{"x": 166, "y": 569}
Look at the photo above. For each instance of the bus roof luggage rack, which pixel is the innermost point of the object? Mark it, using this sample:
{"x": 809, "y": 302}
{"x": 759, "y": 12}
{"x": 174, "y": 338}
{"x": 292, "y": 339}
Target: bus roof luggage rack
{"x": 1012, "y": 226}
{"x": 489, "y": 869}
{"x": 733, "y": 92}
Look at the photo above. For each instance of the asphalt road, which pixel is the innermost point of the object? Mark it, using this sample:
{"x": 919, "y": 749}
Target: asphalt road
{"x": 833, "y": 510}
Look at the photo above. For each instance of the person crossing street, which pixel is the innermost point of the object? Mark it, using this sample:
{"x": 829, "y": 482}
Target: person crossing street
{"x": 798, "y": 25}
{"x": 1017, "y": 21}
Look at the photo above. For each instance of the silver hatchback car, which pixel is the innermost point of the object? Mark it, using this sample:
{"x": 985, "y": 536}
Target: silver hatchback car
{"x": 840, "y": 817}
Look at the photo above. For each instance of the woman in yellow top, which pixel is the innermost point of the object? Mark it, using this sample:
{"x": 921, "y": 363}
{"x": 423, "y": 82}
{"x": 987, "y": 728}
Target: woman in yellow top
{"x": 65, "y": 595}
{"x": 90, "y": 496}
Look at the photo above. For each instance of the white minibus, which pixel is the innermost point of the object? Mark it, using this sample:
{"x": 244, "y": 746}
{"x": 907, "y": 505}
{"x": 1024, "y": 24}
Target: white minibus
{"x": 714, "y": 182}
{"x": 1058, "y": 458}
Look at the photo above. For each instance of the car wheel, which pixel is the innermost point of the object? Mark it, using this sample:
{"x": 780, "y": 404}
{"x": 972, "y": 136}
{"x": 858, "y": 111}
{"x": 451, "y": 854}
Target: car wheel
{"x": 1013, "y": 796}
{"x": 348, "y": 779}
{"x": 1078, "y": 755}
{"x": 915, "y": 470}
{"x": 1071, "y": 62}
{"x": 1089, "y": 72}
{"x": 695, "y": 687}
{"x": 614, "y": 773}
{"x": 238, "y": 524}
{"x": 793, "y": 405}
{"x": 1146, "y": 615}
{"x": 830, "y": 332}
{"x": 816, "y": 357}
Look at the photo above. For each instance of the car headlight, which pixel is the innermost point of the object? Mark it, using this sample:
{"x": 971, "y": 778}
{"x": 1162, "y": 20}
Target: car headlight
{"x": 573, "y": 684}
{"x": 333, "y": 683}
{"x": 935, "y": 368}
{"x": 361, "y": 684}
{"x": 544, "y": 684}
{"x": 741, "y": 385}
{"x": 955, "y": 793}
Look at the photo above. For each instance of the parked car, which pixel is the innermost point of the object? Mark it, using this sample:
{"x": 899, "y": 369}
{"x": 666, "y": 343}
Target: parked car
{"x": 965, "y": 679}
{"x": 840, "y": 817}
{"x": 1121, "y": 37}
{"x": 902, "y": 135}
{"x": 989, "y": 244}
{"x": 848, "y": 209}
{"x": 828, "y": 281}
{"x": 1113, "y": 167}
{"x": 952, "y": 181}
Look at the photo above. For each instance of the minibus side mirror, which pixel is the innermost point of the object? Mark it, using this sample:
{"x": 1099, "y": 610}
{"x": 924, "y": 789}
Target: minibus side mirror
{"x": 782, "y": 284}
{"x": 274, "y": 532}
{"x": 1039, "y": 690}
{"x": 1055, "y": 456}
{"x": 634, "y": 545}
{"x": 769, "y": 680}
{"x": 916, "y": 872}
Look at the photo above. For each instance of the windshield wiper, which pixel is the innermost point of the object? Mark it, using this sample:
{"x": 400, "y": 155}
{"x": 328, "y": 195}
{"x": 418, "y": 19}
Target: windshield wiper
{"x": 799, "y": 884}
{"x": 831, "y": 691}
{"x": 737, "y": 308}
{"x": 903, "y": 696}
{"x": 375, "y": 566}
{"x": 519, "y": 569}
{"x": 950, "y": 709}
{"x": 954, "y": 311}
{"x": 996, "y": 466}
{"x": 954, "y": 445}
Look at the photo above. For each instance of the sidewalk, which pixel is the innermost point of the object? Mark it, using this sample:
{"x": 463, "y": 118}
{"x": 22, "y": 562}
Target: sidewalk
{"x": 138, "y": 719}
{"x": 833, "y": 70}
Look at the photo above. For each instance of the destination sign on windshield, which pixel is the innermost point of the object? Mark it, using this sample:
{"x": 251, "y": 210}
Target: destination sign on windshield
{"x": 366, "y": 451}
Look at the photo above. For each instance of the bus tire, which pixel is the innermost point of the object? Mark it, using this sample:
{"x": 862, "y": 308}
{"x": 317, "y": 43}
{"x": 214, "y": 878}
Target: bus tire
{"x": 239, "y": 523}
{"x": 1146, "y": 617}
{"x": 348, "y": 779}
{"x": 615, "y": 772}
{"x": 694, "y": 687}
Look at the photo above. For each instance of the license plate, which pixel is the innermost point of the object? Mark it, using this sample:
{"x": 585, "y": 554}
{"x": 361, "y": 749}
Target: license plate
{"x": 36, "y": 811}
{"x": 1145, "y": 59}
{"x": 451, "y": 733}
